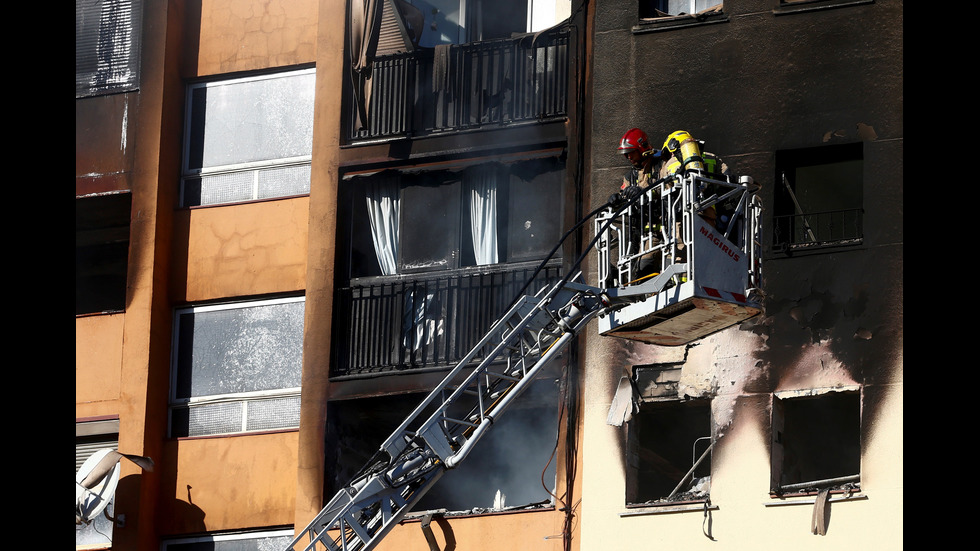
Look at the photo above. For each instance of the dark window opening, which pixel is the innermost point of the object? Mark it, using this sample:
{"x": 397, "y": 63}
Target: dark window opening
{"x": 666, "y": 440}
{"x": 818, "y": 199}
{"x": 505, "y": 469}
{"x": 816, "y": 442}
{"x": 101, "y": 252}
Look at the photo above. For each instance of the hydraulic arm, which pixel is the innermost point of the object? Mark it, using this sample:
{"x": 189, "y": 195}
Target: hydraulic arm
{"x": 443, "y": 429}
{"x": 705, "y": 274}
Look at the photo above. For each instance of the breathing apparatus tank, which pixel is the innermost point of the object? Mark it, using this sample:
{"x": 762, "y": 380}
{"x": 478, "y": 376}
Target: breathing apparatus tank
{"x": 686, "y": 152}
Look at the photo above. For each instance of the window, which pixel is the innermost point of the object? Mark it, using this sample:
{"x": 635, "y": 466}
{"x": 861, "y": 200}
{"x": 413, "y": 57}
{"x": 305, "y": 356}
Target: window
{"x": 666, "y": 8}
{"x": 101, "y": 252}
{"x": 434, "y": 22}
{"x": 818, "y": 198}
{"x": 816, "y": 441}
{"x": 91, "y": 436}
{"x": 506, "y": 468}
{"x": 248, "y": 138}
{"x": 252, "y": 541}
{"x": 433, "y": 258}
{"x": 669, "y": 440}
{"x": 237, "y": 367}
{"x": 445, "y": 220}
{"x": 669, "y": 458}
{"x": 107, "y": 46}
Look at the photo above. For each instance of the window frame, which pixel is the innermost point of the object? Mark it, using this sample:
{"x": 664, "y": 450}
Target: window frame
{"x": 172, "y": 544}
{"x": 648, "y": 409}
{"x": 657, "y": 23}
{"x": 254, "y": 168}
{"x": 550, "y": 174}
{"x": 177, "y": 404}
{"x": 788, "y": 164}
{"x": 778, "y": 428}
{"x": 92, "y": 435}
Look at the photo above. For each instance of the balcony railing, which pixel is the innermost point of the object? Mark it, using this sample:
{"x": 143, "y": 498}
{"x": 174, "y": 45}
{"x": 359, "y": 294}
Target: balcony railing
{"x": 496, "y": 82}
{"x": 430, "y": 321}
{"x": 817, "y": 229}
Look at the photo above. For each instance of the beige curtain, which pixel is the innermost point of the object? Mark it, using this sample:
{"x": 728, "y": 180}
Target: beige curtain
{"x": 365, "y": 24}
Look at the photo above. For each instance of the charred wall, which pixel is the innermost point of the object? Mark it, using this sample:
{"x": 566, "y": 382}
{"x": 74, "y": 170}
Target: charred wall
{"x": 758, "y": 80}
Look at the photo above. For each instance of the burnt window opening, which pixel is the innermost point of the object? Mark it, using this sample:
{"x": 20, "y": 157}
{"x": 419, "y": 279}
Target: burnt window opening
{"x": 505, "y": 470}
{"x": 816, "y": 442}
{"x": 667, "y": 439}
{"x": 101, "y": 252}
{"x": 818, "y": 198}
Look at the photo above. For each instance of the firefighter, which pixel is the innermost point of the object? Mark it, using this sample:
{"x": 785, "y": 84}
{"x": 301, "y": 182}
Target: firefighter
{"x": 645, "y": 164}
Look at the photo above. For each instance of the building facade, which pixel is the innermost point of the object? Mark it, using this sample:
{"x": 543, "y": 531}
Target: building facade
{"x": 802, "y": 405}
{"x": 293, "y": 217}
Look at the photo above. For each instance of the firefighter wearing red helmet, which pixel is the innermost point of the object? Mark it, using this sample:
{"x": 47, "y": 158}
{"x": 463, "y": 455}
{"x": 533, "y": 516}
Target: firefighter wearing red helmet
{"x": 635, "y": 146}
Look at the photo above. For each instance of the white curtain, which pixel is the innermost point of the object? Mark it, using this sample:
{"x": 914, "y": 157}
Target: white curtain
{"x": 481, "y": 184}
{"x": 364, "y": 28}
{"x": 422, "y": 322}
{"x": 381, "y": 194}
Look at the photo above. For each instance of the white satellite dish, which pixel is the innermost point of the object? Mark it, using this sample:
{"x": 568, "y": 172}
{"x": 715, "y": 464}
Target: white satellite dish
{"x": 95, "y": 484}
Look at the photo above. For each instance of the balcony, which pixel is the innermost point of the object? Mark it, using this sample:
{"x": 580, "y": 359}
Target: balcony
{"x": 817, "y": 230}
{"x": 396, "y": 323}
{"x": 481, "y": 84}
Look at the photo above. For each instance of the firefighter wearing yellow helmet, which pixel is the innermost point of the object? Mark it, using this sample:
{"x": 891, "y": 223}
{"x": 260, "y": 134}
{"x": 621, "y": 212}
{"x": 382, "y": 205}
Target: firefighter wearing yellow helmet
{"x": 683, "y": 152}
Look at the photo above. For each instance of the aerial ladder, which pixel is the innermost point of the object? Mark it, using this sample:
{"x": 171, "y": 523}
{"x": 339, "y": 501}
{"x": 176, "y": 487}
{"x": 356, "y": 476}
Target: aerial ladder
{"x": 683, "y": 301}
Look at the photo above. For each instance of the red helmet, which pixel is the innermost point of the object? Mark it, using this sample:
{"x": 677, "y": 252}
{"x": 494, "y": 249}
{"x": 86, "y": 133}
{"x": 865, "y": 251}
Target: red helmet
{"x": 634, "y": 139}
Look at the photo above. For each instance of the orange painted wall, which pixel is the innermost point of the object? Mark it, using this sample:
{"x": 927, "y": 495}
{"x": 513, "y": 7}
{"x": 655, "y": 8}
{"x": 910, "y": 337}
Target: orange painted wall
{"x": 228, "y": 482}
{"x": 239, "y": 250}
{"x": 98, "y": 364}
{"x": 531, "y": 531}
{"x": 245, "y": 35}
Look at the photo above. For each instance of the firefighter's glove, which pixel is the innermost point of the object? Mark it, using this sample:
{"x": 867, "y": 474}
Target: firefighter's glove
{"x": 614, "y": 200}
{"x": 631, "y": 192}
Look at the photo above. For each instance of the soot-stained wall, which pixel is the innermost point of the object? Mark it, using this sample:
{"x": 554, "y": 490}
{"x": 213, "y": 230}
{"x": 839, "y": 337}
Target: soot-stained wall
{"x": 756, "y": 81}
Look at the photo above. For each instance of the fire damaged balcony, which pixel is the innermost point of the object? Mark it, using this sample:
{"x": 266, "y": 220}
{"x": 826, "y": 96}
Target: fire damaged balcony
{"x": 452, "y": 87}
{"x": 391, "y": 324}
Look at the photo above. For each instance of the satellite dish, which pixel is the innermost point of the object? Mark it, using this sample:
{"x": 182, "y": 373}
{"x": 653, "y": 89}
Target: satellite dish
{"x": 95, "y": 484}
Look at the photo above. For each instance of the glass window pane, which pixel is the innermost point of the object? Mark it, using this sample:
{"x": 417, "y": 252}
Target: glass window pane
{"x": 249, "y": 121}
{"x": 533, "y": 231}
{"x": 242, "y": 349}
{"x": 430, "y": 227}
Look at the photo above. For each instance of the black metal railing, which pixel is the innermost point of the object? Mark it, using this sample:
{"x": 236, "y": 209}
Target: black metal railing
{"x": 817, "y": 229}
{"x": 495, "y": 82}
{"x": 429, "y": 321}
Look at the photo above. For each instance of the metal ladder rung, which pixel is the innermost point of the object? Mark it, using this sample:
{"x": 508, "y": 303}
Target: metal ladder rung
{"x": 460, "y": 422}
{"x": 503, "y": 376}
